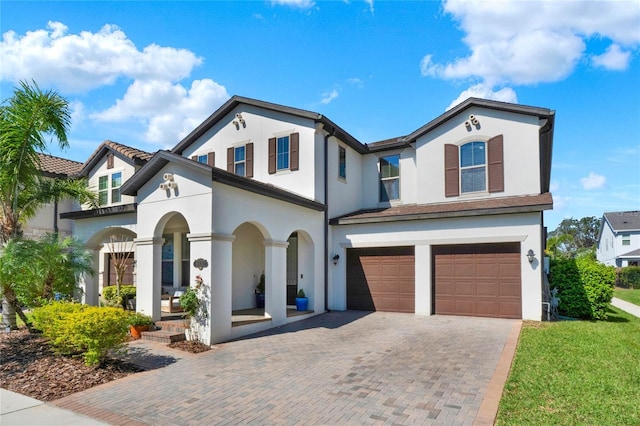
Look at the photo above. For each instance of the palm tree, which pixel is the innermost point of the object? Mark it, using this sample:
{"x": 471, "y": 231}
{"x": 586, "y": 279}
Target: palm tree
{"x": 25, "y": 120}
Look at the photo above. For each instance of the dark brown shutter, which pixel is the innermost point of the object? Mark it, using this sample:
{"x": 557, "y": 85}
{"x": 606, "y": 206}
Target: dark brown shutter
{"x": 194, "y": 157}
{"x": 495, "y": 163}
{"x": 230, "y": 160}
{"x": 295, "y": 145}
{"x": 272, "y": 156}
{"x": 248, "y": 166}
{"x": 451, "y": 171}
{"x": 211, "y": 159}
{"x": 109, "y": 161}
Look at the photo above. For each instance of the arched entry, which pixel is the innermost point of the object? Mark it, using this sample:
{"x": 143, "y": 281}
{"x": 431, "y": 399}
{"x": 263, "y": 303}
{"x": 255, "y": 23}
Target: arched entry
{"x": 175, "y": 251}
{"x": 300, "y": 261}
{"x": 248, "y": 259}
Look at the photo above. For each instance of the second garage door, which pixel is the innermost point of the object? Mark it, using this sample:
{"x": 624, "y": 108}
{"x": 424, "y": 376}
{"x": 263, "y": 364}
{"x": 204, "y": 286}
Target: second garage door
{"x": 381, "y": 279}
{"x": 478, "y": 280}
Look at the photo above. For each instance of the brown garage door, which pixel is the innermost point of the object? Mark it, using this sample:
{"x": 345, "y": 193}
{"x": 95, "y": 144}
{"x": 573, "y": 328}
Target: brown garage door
{"x": 381, "y": 279}
{"x": 478, "y": 280}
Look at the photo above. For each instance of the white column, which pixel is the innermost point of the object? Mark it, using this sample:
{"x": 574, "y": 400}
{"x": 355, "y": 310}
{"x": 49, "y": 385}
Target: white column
{"x": 177, "y": 260}
{"x": 423, "y": 279}
{"x": 149, "y": 270}
{"x": 275, "y": 260}
{"x": 89, "y": 283}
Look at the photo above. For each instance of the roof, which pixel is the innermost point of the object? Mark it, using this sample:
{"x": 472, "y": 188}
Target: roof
{"x": 57, "y": 167}
{"x": 632, "y": 254}
{"x": 623, "y": 221}
{"x": 132, "y": 155}
{"x": 491, "y": 206}
{"x": 235, "y": 101}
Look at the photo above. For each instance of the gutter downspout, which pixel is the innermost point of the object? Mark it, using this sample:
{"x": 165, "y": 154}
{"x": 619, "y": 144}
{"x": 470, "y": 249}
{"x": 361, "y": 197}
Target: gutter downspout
{"x": 326, "y": 219}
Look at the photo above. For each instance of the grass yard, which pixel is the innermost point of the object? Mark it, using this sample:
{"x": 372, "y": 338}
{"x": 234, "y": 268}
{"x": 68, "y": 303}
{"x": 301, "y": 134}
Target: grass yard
{"x": 630, "y": 295}
{"x": 575, "y": 373}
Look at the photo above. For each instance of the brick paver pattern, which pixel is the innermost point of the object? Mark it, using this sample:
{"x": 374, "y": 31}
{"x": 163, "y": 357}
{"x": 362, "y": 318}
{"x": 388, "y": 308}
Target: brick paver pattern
{"x": 336, "y": 368}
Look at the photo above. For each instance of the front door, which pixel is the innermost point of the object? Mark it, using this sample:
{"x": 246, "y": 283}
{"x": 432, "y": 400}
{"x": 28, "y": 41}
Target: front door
{"x": 292, "y": 269}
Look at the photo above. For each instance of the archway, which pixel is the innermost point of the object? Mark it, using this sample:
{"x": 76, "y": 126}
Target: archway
{"x": 248, "y": 264}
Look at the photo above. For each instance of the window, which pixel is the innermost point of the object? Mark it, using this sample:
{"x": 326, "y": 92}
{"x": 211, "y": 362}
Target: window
{"x": 239, "y": 160}
{"x": 473, "y": 172}
{"x": 109, "y": 189}
{"x": 342, "y": 162}
{"x": 390, "y": 178}
{"x": 202, "y": 159}
{"x": 626, "y": 239}
{"x": 282, "y": 153}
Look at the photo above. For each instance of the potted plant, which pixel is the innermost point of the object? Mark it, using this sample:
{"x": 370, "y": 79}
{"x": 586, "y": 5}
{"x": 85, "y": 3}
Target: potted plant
{"x": 302, "y": 302}
{"x": 260, "y": 292}
{"x": 139, "y": 322}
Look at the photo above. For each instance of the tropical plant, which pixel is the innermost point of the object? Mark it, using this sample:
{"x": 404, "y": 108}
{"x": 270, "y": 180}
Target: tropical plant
{"x": 25, "y": 120}
{"x": 138, "y": 318}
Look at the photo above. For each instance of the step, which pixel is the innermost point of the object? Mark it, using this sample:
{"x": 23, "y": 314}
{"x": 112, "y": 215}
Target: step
{"x": 172, "y": 325}
{"x": 163, "y": 336}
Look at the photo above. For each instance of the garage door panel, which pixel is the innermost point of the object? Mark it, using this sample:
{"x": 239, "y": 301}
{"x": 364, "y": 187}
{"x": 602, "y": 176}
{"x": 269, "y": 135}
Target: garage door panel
{"x": 381, "y": 279}
{"x": 478, "y": 280}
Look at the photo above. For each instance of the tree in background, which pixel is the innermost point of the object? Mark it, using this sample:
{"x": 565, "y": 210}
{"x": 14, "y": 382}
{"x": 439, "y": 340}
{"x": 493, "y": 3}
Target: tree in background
{"x": 120, "y": 250}
{"x": 25, "y": 119}
{"x": 574, "y": 237}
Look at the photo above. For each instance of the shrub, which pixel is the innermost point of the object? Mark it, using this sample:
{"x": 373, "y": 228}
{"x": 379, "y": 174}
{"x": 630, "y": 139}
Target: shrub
{"x": 585, "y": 287}
{"x": 139, "y": 318}
{"x": 126, "y": 292}
{"x": 80, "y": 329}
{"x": 628, "y": 277}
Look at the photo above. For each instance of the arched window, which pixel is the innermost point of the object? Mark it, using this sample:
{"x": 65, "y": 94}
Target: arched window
{"x": 473, "y": 167}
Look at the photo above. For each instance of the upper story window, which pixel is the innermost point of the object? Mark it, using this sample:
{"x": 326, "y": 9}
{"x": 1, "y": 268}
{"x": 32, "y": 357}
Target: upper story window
{"x": 109, "y": 189}
{"x": 202, "y": 159}
{"x": 473, "y": 171}
{"x": 390, "y": 178}
{"x": 239, "y": 160}
{"x": 474, "y": 167}
{"x": 626, "y": 239}
{"x": 209, "y": 158}
{"x": 342, "y": 163}
{"x": 282, "y": 153}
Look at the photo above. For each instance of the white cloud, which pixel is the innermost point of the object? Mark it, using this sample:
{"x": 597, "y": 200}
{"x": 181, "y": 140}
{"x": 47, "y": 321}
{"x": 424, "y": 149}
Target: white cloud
{"x": 370, "y": 4}
{"x": 593, "y": 181}
{"x": 300, "y": 4}
{"x": 169, "y": 111}
{"x": 79, "y": 62}
{"x": 525, "y": 43}
{"x": 612, "y": 59}
{"x": 328, "y": 97}
{"x": 506, "y": 94}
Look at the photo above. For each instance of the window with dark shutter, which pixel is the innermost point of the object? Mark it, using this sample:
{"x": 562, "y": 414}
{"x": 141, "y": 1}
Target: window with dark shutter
{"x": 230, "y": 160}
{"x": 249, "y": 160}
{"x": 295, "y": 145}
{"x": 110, "y": 161}
{"x": 451, "y": 171}
{"x": 495, "y": 164}
{"x": 211, "y": 159}
{"x": 194, "y": 157}
{"x": 272, "y": 156}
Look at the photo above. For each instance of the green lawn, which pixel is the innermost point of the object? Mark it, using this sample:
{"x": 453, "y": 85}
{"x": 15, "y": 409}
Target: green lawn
{"x": 630, "y": 295}
{"x": 575, "y": 373}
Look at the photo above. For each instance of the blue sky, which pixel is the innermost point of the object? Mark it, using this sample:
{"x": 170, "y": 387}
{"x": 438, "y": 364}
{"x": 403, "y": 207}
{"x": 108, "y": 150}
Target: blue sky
{"x": 146, "y": 73}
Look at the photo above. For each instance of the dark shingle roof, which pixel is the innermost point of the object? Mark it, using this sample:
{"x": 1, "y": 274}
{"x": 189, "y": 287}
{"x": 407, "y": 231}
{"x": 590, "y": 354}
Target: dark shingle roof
{"x": 624, "y": 221}
{"x": 51, "y": 166}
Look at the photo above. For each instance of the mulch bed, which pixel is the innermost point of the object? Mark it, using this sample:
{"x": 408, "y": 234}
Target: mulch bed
{"x": 29, "y": 366}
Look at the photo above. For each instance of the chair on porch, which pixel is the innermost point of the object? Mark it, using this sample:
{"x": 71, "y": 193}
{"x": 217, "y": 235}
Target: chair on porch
{"x": 171, "y": 302}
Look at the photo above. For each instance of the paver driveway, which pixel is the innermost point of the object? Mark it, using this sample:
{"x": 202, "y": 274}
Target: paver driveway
{"x": 336, "y": 368}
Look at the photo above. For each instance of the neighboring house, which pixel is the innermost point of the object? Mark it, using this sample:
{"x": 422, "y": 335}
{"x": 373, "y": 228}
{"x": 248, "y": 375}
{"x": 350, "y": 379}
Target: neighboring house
{"x": 619, "y": 239}
{"x": 47, "y": 218}
{"x": 439, "y": 221}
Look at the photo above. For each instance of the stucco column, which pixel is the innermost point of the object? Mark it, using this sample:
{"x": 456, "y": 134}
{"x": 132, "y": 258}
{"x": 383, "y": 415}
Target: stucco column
{"x": 177, "y": 260}
{"x": 423, "y": 268}
{"x": 149, "y": 269}
{"x": 89, "y": 283}
{"x": 275, "y": 260}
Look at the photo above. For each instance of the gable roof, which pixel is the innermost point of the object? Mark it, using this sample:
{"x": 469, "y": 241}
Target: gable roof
{"x": 623, "y": 221}
{"x": 57, "y": 167}
{"x": 235, "y": 101}
{"x": 129, "y": 154}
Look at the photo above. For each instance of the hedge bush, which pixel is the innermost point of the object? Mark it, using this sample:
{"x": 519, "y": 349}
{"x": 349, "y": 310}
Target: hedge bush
{"x": 126, "y": 292}
{"x": 628, "y": 277}
{"x": 81, "y": 329}
{"x": 585, "y": 287}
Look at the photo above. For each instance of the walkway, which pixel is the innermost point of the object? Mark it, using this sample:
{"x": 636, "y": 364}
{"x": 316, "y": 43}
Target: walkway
{"x": 626, "y": 306}
{"x": 336, "y": 368}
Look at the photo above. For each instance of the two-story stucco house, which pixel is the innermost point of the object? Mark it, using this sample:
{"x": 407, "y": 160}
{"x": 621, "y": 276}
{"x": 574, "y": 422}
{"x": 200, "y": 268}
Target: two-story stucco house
{"x": 619, "y": 239}
{"x": 439, "y": 221}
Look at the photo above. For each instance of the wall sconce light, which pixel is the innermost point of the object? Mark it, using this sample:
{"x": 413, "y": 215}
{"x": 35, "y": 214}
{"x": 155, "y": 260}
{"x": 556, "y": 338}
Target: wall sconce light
{"x": 335, "y": 259}
{"x": 531, "y": 256}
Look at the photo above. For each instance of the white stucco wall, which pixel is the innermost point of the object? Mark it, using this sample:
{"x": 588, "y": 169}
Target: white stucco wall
{"x": 345, "y": 195}
{"x": 101, "y": 169}
{"x": 523, "y": 228}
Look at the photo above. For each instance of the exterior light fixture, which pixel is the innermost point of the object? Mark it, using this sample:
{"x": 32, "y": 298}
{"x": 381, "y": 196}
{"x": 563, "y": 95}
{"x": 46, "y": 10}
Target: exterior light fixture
{"x": 335, "y": 259}
{"x": 531, "y": 256}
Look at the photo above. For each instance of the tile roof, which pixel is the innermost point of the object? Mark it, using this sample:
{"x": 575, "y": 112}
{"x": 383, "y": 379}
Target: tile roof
{"x": 58, "y": 167}
{"x": 516, "y": 204}
{"x": 624, "y": 221}
{"x": 137, "y": 156}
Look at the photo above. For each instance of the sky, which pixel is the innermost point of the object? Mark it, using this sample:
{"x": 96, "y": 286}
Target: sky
{"x": 146, "y": 73}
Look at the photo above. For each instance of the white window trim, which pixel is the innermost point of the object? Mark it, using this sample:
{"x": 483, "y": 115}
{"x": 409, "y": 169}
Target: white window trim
{"x": 344, "y": 178}
{"x": 394, "y": 201}
{"x": 486, "y": 170}
{"x": 109, "y": 188}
